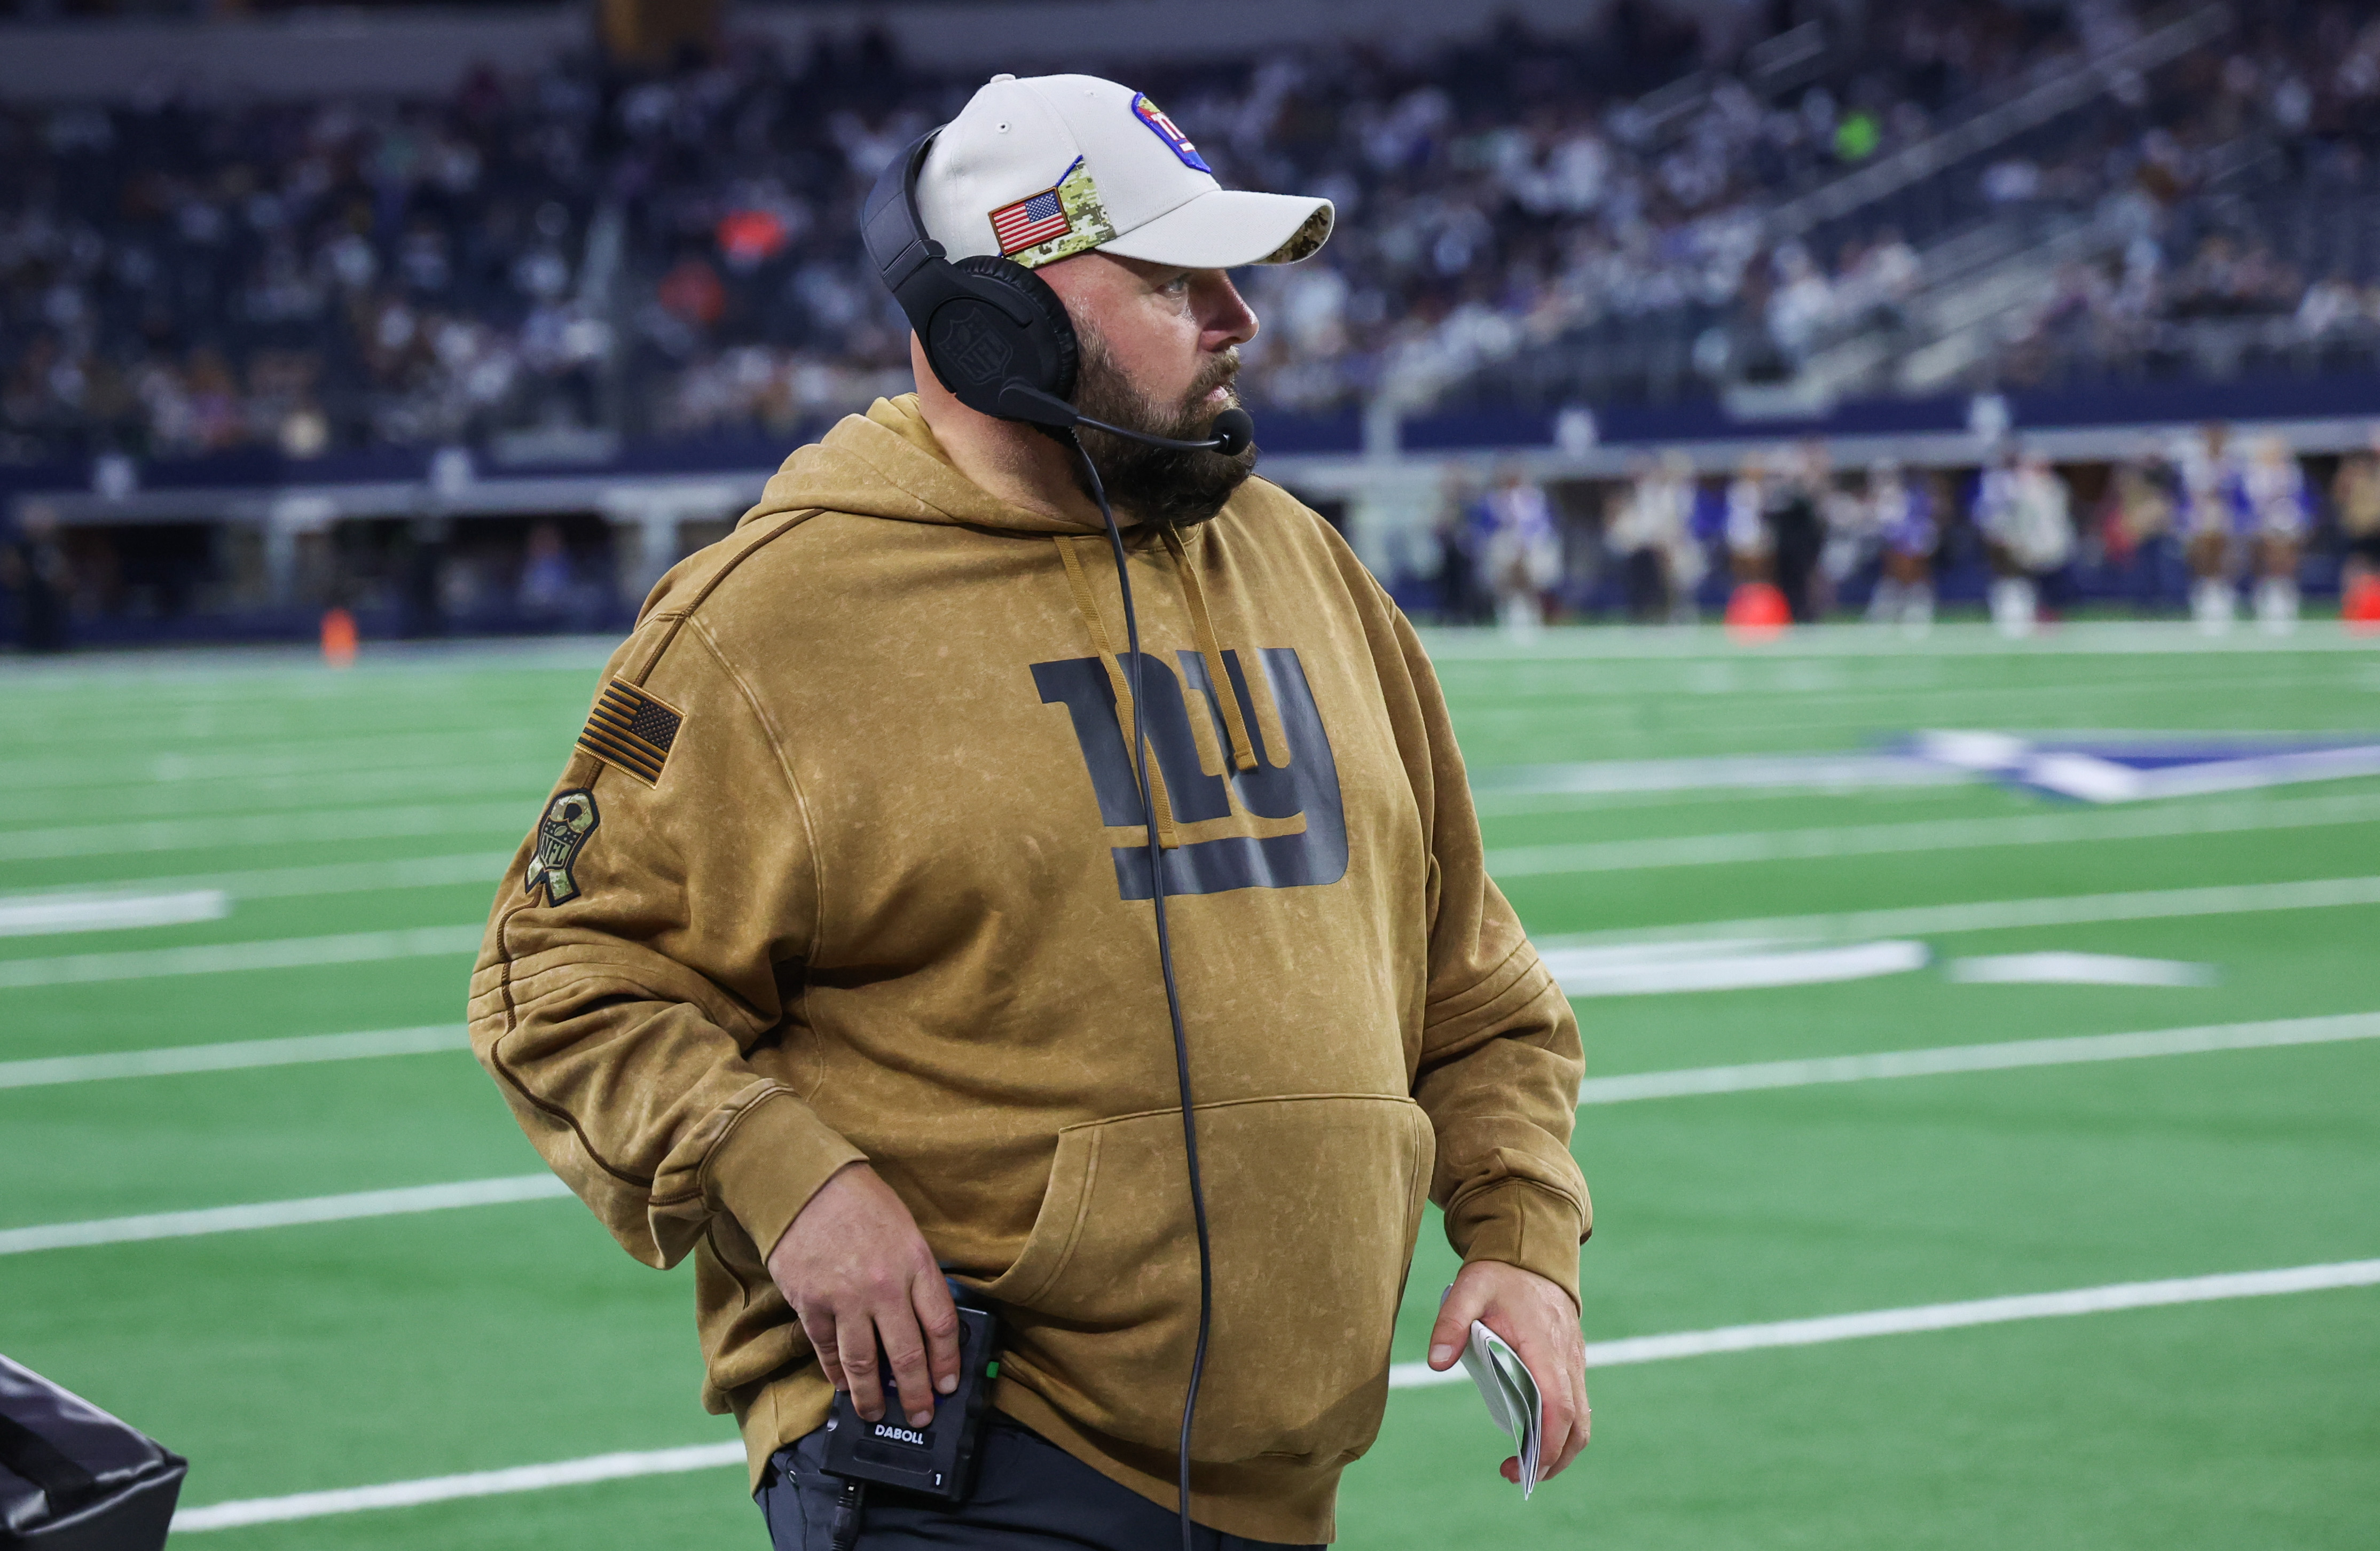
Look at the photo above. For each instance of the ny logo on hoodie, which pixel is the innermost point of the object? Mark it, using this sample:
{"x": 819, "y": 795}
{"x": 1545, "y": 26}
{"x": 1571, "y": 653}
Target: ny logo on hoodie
{"x": 1301, "y": 779}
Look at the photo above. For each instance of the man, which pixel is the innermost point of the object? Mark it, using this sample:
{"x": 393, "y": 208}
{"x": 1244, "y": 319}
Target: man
{"x": 1797, "y": 528}
{"x": 33, "y": 565}
{"x": 832, "y": 962}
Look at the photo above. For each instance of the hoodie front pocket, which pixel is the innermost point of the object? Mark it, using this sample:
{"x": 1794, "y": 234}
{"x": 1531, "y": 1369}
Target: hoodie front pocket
{"x": 1312, "y": 1204}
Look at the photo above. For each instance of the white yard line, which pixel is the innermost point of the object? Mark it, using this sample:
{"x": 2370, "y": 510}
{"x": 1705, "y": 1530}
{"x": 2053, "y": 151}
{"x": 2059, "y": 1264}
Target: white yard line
{"x": 1694, "y": 1082}
{"x": 238, "y": 743}
{"x": 1928, "y": 835}
{"x": 278, "y": 952}
{"x": 160, "y": 796}
{"x": 2077, "y": 969}
{"x": 447, "y": 1488}
{"x": 35, "y": 915}
{"x": 1653, "y": 968}
{"x": 1993, "y": 915}
{"x": 1402, "y": 1376}
{"x": 285, "y": 883}
{"x": 233, "y": 1056}
{"x": 279, "y": 1214}
{"x": 1947, "y": 1316}
{"x": 1726, "y": 772}
{"x": 338, "y": 825}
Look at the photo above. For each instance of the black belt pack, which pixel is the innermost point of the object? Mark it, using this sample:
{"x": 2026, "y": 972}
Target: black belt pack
{"x": 73, "y": 1478}
{"x": 937, "y": 1461}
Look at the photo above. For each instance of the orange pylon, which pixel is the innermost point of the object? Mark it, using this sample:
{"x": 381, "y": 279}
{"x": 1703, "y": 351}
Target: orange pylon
{"x": 338, "y": 638}
{"x": 1756, "y": 611}
{"x": 2361, "y": 607}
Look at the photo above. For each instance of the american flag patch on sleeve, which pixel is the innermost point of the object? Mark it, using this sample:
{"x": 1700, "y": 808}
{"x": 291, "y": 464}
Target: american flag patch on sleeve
{"x": 1030, "y": 222}
{"x": 631, "y": 731}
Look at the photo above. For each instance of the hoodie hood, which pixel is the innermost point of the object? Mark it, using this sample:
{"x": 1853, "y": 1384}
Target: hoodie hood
{"x": 887, "y": 463}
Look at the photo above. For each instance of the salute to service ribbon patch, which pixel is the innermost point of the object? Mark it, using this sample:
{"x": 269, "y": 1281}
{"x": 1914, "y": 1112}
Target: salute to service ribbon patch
{"x": 560, "y": 835}
{"x": 631, "y": 731}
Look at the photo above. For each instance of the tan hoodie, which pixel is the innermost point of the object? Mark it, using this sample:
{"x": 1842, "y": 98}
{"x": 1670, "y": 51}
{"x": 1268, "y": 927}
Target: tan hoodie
{"x": 843, "y": 868}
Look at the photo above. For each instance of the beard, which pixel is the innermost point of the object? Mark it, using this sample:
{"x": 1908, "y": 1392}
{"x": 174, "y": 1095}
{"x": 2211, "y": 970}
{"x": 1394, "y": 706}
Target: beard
{"x": 1159, "y": 486}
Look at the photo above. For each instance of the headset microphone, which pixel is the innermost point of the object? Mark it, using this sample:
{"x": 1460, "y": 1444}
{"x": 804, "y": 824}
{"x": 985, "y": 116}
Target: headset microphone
{"x": 1230, "y": 434}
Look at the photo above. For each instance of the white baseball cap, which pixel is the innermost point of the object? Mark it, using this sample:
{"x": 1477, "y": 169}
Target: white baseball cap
{"x": 1043, "y": 169}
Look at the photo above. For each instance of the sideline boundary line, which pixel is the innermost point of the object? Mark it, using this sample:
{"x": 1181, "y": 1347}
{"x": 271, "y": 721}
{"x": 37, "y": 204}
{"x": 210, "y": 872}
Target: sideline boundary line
{"x": 280, "y": 1214}
{"x": 233, "y": 1056}
{"x": 1692, "y": 1081}
{"x": 1402, "y": 1376}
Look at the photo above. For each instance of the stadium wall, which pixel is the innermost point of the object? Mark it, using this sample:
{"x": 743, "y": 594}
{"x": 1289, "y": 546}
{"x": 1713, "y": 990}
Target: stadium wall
{"x": 277, "y": 538}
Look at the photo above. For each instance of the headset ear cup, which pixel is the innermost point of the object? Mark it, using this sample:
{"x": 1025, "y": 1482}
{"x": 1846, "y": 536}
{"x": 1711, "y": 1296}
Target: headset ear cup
{"x": 1060, "y": 359}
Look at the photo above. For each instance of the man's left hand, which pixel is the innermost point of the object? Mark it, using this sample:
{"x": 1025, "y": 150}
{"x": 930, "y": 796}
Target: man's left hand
{"x": 1538, "y": 1321}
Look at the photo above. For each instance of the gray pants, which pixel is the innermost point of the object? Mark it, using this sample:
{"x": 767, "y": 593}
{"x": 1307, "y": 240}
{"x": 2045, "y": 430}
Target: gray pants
{"x": 1029, "y": 1496}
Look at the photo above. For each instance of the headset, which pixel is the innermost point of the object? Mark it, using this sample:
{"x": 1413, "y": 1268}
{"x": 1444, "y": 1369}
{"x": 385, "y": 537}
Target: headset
{"x": 1000, "y": 340}
{"x": 994, "y": 332}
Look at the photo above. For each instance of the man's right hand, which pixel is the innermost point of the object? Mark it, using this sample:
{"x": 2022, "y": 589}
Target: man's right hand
{"x": 857, "y": 1272}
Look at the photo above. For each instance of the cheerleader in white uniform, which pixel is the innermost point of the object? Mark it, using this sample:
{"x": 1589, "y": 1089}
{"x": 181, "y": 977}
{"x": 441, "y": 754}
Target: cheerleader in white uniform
{"x": 2275, "y": 514}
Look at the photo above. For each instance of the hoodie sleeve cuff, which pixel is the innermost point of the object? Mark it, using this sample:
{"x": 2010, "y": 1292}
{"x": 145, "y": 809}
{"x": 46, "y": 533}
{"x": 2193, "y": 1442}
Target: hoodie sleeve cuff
{"x": 1520, "y": 1224}
{"x": 766, "y": 1169}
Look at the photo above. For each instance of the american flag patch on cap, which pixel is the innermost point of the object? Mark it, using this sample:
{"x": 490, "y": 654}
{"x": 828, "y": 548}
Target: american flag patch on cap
{"x": 1030, "y": 221}
{"x": 631, "y": 731}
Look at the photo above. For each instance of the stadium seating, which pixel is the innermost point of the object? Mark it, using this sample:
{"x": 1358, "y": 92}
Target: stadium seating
{"x": 551, "y": 262}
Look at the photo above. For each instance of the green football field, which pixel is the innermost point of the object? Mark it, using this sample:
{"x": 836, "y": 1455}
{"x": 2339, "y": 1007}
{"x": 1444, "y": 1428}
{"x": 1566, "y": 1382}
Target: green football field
{"x": 203, "y": 851}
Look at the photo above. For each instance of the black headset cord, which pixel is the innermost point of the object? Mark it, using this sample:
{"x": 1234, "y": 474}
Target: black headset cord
{"x": 1165, "y": 965}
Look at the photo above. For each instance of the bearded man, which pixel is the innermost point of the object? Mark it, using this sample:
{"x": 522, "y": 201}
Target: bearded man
{"x": 832, "y": 963}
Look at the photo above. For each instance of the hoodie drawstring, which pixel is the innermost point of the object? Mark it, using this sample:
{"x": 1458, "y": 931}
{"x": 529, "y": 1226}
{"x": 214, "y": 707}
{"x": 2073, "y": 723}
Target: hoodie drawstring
{"x": 1167, "y": 837}
{"x": 1243, "y": 753}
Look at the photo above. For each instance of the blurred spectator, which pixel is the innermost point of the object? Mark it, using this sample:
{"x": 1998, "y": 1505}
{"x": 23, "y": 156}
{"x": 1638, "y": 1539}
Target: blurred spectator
{"x": 2211, "y": 507}
{"x": 1522, "y": 558}
{"x": 422, "y": 577}
{"x": 1651, "y": 529}
{"x": 34, "y": 566}
{"x": 2355, "y": 495}
{"x": 1459, "y": 601}
{"x": 1795, "y": 516}
{"x": 2274, "y": 514}
{"x": 552, "y": 595}
{"x": 1751, "y": 548}
{"x": 2023, "y": 512}
{"x": 2137, "y": 530}
{"x": 1901, "y": 512}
